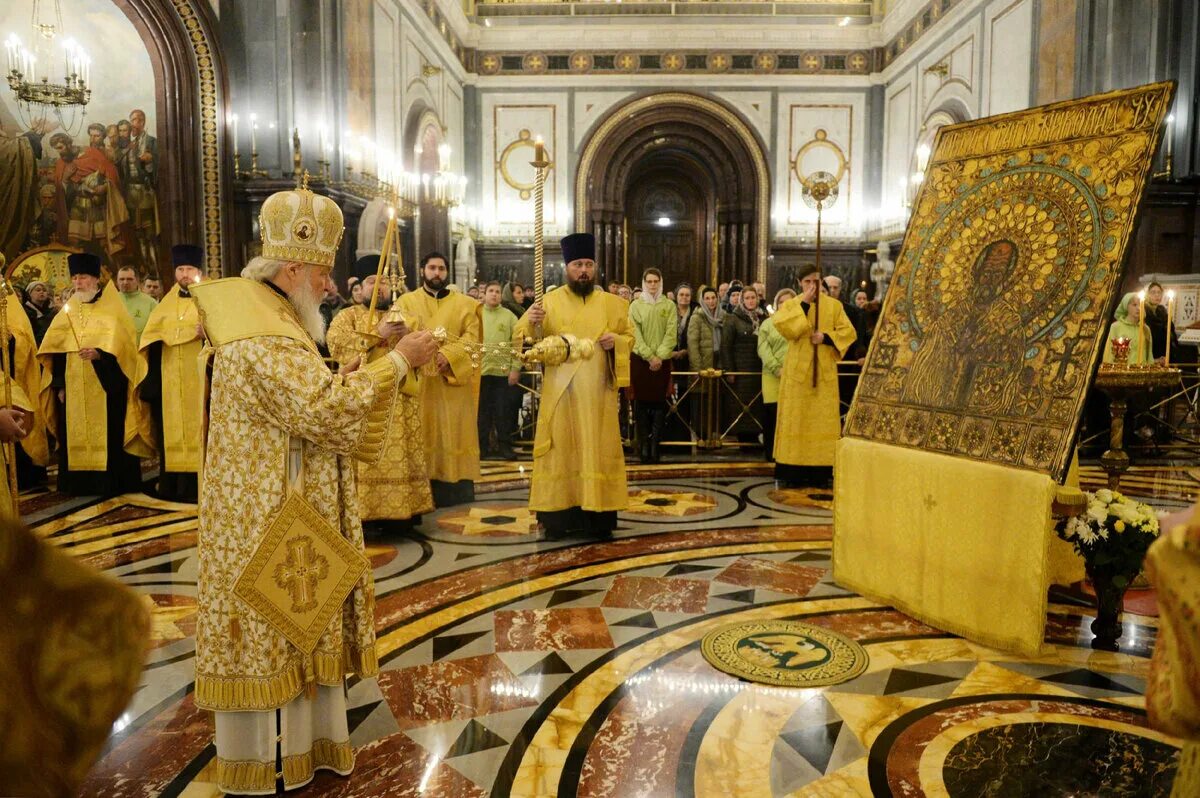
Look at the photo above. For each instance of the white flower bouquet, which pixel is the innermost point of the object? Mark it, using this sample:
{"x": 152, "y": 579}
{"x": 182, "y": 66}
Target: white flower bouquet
{"x": 1112, "y": 535}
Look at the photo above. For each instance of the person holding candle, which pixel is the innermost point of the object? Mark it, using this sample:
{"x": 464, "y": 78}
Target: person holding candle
{"x": 89, "y": 372}
{"x": 394, "y": 492}
{"x": 170, "y": 348}
{"x": 578, "y": 465}
{"x": 1127, "y": 324}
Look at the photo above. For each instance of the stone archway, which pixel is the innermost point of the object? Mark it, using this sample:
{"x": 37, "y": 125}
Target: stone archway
{"x": 718, "y": 153}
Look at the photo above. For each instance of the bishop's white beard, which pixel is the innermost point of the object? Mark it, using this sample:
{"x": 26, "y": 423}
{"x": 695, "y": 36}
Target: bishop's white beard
{"x": 307, "y": 303}
{"x": 84, "y": 296}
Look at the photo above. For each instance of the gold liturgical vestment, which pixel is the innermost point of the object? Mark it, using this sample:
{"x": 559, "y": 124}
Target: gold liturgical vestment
{"x": 28, "y": 375}
{"x": 173, "y": 324}
{"x": 809, "y": 424}
{"x": 104, "y": 325}
{"x": 577, "y": 456}
{"x": 9, "y": 507}
{"x": 281, "y": 424}
{"x": 450, "y": 402}
{"x": 397, "y": 487}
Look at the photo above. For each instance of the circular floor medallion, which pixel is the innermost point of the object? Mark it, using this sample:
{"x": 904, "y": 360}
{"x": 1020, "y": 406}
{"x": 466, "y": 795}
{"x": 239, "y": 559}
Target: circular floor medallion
{"x": 785, "y": 653}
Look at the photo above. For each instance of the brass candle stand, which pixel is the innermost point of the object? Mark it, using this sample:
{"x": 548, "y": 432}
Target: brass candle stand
{"x": 540, "y": 164}
{"x": 1121, "y": 383}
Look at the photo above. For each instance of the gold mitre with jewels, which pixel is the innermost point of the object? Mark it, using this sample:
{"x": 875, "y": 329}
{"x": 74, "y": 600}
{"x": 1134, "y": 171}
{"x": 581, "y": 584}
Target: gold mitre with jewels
{"x": 301, "y": 226}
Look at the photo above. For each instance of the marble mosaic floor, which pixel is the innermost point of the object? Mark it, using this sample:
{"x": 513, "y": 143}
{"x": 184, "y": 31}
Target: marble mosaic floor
{"x": 516, "y": 666}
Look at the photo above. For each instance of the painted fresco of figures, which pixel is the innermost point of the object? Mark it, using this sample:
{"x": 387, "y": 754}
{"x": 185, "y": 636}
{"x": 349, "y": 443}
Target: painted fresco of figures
{"x": 137, "y": 162}
{"x": 90, "y": 207}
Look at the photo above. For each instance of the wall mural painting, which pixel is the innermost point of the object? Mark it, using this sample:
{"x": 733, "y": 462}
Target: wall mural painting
{"x": 1001, "y": 295}
{"x": 87, "y": 182}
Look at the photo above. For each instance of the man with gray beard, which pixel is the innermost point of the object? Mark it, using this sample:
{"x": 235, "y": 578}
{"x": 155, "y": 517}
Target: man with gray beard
{"x": 90, "y": 354}
{"x": 285, "y": 595}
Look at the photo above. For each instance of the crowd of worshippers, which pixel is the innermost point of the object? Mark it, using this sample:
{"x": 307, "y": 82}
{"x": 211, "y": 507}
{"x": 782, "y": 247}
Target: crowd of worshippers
{"x": 118, "y": 367}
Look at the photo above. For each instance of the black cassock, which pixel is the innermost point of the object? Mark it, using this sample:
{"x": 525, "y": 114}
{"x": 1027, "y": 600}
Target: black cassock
{"x": 175, "y": 486}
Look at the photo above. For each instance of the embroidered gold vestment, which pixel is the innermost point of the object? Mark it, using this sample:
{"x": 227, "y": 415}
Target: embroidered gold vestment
{"x": 173, "y": 324}
{"x": 449, "y": 402}
{"x": 104, "y": 325}
{"x": 272, "y": 399}
{"x": 577, "y": 456}
{"x": 397, "y": 487}
{"x": 27, "y": 374}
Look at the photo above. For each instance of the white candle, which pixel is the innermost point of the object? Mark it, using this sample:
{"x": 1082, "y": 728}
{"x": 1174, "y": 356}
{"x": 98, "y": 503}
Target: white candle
{"x": 253, "y": 134}
{"x": 321, "y": 141}
{"x": 233, "y": 118}
{"x": 1170, "y": 135}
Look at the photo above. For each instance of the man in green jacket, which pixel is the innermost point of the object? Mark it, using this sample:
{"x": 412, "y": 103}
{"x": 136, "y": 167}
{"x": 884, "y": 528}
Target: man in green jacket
{"x": 655, "y": 331}
{"x": 499, "y": 372}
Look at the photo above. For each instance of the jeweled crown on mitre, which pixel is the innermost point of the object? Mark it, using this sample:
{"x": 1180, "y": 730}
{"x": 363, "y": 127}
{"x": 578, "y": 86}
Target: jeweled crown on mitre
{"x": 301, "y": 226}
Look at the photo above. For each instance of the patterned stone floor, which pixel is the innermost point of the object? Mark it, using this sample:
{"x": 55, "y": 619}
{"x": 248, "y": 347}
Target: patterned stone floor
{"x": 516, "y": 666}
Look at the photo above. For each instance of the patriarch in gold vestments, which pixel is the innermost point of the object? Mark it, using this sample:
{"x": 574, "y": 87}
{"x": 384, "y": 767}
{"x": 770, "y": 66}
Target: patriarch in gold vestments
{"x": 449, "y": 398}
{"x": 284, "y": 591}
{"x": 809, "y": 423}
{"x": 396, "y": 489}
{"x": 578, "y": 482}
{"x": 170, "y": 348}
{"x": 90, "y": 368}
{"x": 1173, "y": 687}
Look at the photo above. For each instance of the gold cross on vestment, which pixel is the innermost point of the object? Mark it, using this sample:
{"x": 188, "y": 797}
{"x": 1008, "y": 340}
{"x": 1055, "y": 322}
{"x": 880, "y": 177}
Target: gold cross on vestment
{"x": 929, "y": 501}
{"x": 300, "y": 573}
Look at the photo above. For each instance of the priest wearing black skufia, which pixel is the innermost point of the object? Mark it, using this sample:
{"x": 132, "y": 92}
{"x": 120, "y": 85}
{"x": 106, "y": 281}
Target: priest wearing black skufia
{"x": 170, "y": 347}
{"x": 89, "y": 360}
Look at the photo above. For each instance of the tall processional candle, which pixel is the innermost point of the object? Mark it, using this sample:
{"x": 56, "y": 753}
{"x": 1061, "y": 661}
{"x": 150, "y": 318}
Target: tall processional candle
{"x": 388, "y": 235}
{"x": 1141, "y": 325}
{"x": 1170, "y": 334}
{"x": 71, "y": 323}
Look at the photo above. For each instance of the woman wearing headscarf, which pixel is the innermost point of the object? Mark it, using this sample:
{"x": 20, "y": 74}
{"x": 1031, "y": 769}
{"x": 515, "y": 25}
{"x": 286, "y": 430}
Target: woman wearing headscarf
{"x": 39, "y": 306}
{"x": 653, "y": 318}
{"x": 1127, "y": 325}
{"x": 740, "y": 354}
{"x": 704, "y": 345}
{"x": 772, "y": 348}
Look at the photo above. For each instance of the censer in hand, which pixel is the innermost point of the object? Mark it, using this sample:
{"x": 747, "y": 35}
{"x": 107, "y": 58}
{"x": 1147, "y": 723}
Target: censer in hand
{"x": 557, "y": 349}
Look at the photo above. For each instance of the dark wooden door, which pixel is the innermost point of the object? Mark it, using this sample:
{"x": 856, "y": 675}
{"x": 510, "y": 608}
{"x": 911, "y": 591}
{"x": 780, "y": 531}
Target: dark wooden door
{"x": 666, "y": 230}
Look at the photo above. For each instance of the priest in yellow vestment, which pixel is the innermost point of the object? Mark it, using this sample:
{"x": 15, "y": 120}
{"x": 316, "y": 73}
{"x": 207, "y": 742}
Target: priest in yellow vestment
{"x": 578, "y": 480}
{"x": 809, "y": 422}
{"x": 450, "y": 397}
{"x": 285, "y": 596}
{"x": 33, "y": 455}
{"x": 90, "y": 368}
{"x": 395, "y": 491}
{"x": 170, "y": 349}
{"x": 16, "y": 420}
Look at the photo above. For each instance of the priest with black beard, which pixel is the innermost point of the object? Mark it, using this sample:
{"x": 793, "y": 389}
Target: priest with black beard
{"x": 90, "y": 367}
{"x": 450, "y": 395}
{"x": 578, "y": 480}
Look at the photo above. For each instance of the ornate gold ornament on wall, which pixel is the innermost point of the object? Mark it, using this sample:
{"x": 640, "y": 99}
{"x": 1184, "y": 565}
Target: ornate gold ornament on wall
{"x": 941, "y": 69}
{"x": 820, "y": 141}
{"x": 428, "y": 70}
{"x": 524, "y": 139}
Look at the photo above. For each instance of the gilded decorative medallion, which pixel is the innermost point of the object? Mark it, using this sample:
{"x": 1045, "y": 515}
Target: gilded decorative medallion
{"x": 785, "y": 654}
{"x": 1003, "y": 289}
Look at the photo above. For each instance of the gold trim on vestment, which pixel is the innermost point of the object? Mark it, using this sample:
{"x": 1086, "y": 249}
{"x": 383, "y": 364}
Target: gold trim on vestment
{"x": 385, "y": 376}
{"x": 250, "y": 693}
{"x": 298, "y": 769}
{"x": 236, "y": 308}
{"x": 245, "y": 775}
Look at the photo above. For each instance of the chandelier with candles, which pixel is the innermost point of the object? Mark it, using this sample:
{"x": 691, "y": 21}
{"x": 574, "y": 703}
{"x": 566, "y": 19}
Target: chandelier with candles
{"x": 34, "y": 73}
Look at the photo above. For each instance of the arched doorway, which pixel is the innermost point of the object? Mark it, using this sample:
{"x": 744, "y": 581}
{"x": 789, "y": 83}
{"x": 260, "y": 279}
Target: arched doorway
{"x": 684, "y": 152}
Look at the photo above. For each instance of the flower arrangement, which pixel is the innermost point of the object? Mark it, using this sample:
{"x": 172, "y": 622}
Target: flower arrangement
{"x": 1113, "y": 534}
